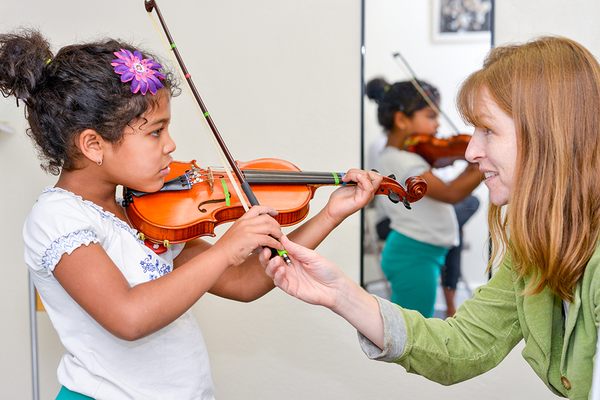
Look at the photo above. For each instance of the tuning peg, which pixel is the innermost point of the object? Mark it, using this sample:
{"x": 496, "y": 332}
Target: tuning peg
{"x": 394, "y": 197}
{"x": 392, "y": 176}
{"x": 374, "y": 170}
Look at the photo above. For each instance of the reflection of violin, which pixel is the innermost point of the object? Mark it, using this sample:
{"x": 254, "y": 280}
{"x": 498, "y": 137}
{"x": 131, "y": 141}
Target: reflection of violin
{"x": 194, "y": 200}
{"x": 438, "y": 152}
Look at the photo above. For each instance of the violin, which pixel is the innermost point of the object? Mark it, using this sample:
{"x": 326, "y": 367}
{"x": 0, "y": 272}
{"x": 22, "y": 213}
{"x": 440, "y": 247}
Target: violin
{"x": 438, "y": 152}
{"x": 193, "y": 200}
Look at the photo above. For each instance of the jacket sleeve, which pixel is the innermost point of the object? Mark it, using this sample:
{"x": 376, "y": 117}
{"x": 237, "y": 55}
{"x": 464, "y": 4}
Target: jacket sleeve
{"x": 482, "y": 333}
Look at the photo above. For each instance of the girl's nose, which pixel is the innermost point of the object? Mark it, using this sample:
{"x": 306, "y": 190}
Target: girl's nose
{"x": 170, "y": 145}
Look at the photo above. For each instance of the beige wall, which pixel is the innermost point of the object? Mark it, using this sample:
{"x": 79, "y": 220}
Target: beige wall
{"x": 281, "y": 78}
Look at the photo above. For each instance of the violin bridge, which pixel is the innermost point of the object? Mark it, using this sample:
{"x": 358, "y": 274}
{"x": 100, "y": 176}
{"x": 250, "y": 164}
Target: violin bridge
{"x": 211, "y": 179}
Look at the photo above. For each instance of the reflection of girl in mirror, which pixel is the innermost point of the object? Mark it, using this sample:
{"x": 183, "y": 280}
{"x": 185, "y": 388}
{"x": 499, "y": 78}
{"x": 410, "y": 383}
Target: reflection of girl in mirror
{"x": 419, "y": 240}
{"x": 535, "y": 109}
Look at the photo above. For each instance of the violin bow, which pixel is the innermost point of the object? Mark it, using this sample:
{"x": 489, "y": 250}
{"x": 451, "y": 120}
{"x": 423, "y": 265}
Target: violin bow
{"x": 150, "y": 6}
{"x": 422, "y": 92}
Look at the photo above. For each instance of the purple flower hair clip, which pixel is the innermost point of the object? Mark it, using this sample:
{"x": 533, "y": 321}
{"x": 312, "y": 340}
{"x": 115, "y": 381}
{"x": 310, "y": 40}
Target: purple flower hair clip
{"x": 142, "y": 72}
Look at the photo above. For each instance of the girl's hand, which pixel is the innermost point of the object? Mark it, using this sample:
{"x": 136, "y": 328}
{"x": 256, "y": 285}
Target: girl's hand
{"x": 256, "y": 228}
{"x": 311, "y": 277}
{"x": 347, "y": 200}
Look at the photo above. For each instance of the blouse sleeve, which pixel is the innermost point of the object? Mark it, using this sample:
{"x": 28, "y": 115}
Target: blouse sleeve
{"x": 54, "y": 228}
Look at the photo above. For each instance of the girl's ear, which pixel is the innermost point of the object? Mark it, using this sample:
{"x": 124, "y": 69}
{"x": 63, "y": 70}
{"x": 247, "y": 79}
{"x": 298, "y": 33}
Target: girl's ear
{"x": 401, "y": 121}
{"x": 91, "y": 144}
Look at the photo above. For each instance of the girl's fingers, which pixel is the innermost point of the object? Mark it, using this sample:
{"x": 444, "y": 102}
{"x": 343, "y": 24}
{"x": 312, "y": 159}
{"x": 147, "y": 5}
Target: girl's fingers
{"x": 255, "y": 211}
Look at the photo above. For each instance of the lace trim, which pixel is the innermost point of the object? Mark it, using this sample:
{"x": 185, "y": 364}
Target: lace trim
{"x": 104, "y": 214}
{"x": 66, "y": 244}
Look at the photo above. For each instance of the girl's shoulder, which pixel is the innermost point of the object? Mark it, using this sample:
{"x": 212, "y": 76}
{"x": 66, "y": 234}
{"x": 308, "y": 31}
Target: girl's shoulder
{"x": 61, "y": 221}
{"x": 398, "y": 155}
{"x": 63, "y": 203}
{"x": 402, "y": 163}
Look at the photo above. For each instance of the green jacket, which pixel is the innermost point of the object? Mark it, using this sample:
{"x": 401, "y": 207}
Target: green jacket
{"x": 488, "y": 326}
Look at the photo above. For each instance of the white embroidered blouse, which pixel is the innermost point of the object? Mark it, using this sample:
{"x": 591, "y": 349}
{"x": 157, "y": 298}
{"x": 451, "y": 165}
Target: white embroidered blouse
{"x": 171, "y": 363}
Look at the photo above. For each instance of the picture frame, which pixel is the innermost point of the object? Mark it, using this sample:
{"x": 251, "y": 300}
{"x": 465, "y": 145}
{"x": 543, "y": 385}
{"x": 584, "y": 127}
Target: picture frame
{"x": 461, "y": 20}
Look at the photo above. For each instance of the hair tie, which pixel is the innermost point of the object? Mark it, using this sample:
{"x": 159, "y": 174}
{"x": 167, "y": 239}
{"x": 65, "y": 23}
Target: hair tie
{"x": 48, "y": 61}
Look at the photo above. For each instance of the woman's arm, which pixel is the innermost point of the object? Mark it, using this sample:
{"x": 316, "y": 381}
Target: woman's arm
{"x": 248, "y": 281}
{"x": 456, "y": 190}
{"x": 483, "y": 332}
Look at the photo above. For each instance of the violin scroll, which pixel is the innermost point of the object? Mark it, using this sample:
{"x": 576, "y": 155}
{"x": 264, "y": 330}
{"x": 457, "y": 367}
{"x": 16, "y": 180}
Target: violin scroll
{"x": 416, "y": 188}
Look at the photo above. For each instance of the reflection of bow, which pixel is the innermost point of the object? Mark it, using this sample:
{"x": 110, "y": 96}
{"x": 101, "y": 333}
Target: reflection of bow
{"x": 423, "y": 92}
{"x": 151, "y": 5}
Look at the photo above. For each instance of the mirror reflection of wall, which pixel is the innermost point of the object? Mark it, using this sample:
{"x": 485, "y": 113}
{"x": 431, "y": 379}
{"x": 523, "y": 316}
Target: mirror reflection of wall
{"x": 443, "y": 57}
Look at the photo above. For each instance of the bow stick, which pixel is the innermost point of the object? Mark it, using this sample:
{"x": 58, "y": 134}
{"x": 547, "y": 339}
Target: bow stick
{"x": 150, "y": 6}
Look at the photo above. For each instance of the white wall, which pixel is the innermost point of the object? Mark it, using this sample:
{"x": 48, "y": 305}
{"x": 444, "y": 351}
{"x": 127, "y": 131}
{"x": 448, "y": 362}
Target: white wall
{"x": 281, "y": 78}
{"x": 519, "y": 21}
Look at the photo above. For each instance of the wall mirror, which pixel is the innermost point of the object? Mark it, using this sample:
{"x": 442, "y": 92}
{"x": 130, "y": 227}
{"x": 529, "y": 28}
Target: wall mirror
{"x": 441, "y": 42}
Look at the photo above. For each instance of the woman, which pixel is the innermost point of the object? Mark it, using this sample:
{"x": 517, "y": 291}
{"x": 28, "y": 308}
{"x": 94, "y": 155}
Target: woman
{"x": 535, "y": 108}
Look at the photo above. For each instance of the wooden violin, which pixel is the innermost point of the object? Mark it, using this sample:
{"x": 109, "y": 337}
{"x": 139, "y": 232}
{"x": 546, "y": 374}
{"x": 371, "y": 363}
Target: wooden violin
{"x": 194, "y": 200}
{"x": 438, "y": 152}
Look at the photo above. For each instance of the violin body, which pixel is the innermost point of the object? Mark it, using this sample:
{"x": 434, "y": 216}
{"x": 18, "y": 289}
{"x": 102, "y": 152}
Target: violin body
{"x": 195, "y": 200}
{"x": 438, "y": 152}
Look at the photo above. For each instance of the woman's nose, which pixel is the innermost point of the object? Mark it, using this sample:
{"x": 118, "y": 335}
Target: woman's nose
{"x": 474, "y": 150}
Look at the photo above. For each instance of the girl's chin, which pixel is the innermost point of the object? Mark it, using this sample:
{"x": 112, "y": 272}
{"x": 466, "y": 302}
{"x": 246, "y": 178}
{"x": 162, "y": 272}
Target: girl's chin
{"x": 148, "y": 188}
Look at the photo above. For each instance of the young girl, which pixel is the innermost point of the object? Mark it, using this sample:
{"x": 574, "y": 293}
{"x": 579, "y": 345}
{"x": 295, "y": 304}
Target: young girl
{"x": 535, "y": 110}
{"x": 99, "y": 114}
{"x": 415, "y": 249}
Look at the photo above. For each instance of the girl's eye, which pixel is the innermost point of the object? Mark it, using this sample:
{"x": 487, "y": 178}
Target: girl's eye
{"x": 156, "y": 133}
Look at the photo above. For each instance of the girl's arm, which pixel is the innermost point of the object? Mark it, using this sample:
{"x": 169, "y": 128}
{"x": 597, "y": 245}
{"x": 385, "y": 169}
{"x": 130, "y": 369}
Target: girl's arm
{"x": 248, "y": 281}
{"x": 96, "y": 284}
{"x": 456, "y": 190}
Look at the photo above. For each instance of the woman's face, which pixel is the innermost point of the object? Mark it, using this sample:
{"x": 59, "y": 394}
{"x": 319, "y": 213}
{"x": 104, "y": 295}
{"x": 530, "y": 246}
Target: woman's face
{"x": 494, "y": 147}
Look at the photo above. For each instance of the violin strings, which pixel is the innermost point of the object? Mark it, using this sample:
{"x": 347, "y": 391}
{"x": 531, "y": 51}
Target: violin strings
{"x": 290, "y": 177}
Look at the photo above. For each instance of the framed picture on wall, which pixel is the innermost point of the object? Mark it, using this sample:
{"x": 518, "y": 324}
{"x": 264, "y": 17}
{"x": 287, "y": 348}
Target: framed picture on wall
{"x": 461, "y": 20}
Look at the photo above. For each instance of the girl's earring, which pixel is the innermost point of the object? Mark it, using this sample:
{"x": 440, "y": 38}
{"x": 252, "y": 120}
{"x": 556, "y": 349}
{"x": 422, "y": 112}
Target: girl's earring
{"x": 99, "y": 162}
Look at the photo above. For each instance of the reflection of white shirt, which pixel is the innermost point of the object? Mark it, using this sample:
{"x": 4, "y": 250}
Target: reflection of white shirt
{"x": 429, "y": 220}
{"x": 171, "y": 363}
{"x": 375, "y": 149}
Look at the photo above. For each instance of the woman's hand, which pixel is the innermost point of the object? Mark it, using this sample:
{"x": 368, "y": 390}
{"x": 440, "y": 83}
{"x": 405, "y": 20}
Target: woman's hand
{"x": 316, "y": 280}
{"x": 348, "y": 199}
{"x": 256, "y": 228}
{"x": 311, "y": 277}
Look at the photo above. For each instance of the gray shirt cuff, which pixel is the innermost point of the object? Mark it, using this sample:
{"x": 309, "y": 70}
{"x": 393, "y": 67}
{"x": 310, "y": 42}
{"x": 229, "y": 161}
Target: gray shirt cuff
{"x": 394, "y": 331}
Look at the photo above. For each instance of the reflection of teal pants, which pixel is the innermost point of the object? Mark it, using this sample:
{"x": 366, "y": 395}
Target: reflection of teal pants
{"x": 413, "y": 270}
{"x": 66, "y": 394}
